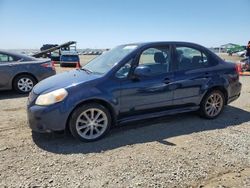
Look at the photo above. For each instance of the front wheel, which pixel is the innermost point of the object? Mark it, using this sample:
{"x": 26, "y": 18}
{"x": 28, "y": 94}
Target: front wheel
{"x": 90, "y": 122}
{"x": 212, "y": 104}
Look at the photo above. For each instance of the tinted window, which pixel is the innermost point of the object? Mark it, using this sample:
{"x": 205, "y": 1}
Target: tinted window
{"x": 190, "y": 58}
{"x": 157, "y": 59}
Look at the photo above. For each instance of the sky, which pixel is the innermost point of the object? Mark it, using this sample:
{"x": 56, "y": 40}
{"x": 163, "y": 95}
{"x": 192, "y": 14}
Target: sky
{"x": 28, "y": 24}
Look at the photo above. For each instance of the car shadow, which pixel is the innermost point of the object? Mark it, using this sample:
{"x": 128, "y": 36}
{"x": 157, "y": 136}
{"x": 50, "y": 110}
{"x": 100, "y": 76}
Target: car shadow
{"x": 159, "y": 129}
{"x": 11, "y": 95}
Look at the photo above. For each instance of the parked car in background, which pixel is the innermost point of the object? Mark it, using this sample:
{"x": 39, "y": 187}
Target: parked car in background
{"x": 242, "y": 53}
{"x": 133, "y": 82}
{"x": 245, "y": 64}
{"x": 55, "y": 59}
{"x": 21, "y": 72}
{"x": 235, "y": 49}
{"x": 69, "y": 59}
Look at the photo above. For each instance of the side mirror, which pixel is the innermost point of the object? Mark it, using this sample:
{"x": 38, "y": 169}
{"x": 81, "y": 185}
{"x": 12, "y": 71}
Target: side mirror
{"x": 142, "y": 71}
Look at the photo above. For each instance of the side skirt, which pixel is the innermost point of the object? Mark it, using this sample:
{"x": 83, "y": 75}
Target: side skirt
{"x": 156, "y": 114}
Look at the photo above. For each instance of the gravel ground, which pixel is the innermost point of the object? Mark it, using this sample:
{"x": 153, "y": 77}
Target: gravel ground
{"x": 176, "y": 151}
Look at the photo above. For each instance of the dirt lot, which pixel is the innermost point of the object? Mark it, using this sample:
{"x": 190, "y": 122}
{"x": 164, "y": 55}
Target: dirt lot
{"x": 177, "y": 151}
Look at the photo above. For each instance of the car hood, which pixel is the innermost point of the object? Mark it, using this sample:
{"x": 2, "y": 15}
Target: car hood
{"x": 64, "y": 80}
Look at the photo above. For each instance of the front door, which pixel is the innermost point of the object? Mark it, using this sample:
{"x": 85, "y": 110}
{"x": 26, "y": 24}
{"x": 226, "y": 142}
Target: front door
{"x": 149, "y": 93}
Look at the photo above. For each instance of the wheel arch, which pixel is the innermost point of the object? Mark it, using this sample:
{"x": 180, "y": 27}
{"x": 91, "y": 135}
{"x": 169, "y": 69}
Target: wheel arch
{"x": 102, "y": 102}
{"x": 22, "y": 73}
{"x": 220, "y": 88}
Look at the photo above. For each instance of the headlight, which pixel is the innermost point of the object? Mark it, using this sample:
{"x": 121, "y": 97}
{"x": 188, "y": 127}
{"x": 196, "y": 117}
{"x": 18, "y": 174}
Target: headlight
{"x": 52, "y": 97}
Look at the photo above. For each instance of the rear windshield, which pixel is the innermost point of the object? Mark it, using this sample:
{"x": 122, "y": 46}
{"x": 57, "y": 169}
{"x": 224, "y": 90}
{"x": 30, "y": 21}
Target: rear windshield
{"x": 69, "y": 58}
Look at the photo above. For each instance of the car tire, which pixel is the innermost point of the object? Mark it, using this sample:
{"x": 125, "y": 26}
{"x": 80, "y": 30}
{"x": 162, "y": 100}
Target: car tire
{"x": 212, "y": 104}
{"x": 90, "y": 122}
{"x": 24, "y": 83}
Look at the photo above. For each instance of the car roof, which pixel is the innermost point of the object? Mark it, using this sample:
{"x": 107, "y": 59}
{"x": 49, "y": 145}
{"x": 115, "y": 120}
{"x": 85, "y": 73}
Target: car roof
{"x": 69, "y": 55}
{"x": 159, "y": 43}
{"x": 141, "y": 44}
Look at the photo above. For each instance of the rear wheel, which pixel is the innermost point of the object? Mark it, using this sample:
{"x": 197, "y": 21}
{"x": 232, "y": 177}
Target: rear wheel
{"x": 212, "y": 104}
{"x": 90, "y": 122}
{"x": 24, "y": 83}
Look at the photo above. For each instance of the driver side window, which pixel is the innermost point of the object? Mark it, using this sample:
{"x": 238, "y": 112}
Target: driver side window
{"x": 156, "y": 59}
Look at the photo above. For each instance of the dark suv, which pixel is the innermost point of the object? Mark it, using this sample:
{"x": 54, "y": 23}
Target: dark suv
{"x": 133, "y": 82}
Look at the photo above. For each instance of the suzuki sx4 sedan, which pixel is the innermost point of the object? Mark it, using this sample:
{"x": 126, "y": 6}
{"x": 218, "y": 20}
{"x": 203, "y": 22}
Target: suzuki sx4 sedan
{"x": 133, "y": 82}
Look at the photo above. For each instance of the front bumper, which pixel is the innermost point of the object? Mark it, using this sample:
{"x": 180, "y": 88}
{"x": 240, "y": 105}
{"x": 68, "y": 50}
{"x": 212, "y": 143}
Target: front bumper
{"x": 46, "y": 118}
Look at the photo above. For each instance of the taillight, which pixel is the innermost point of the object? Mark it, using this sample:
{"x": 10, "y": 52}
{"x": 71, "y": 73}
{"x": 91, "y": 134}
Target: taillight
{"x": 53, "y": 65}
{"x": 49, "y": 65}
{"x": 78, "y": 65}
{"x": 238, "y": 68}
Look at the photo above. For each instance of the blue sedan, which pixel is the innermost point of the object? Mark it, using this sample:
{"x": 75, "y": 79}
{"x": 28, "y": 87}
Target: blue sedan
{"x": 133, "y": 82}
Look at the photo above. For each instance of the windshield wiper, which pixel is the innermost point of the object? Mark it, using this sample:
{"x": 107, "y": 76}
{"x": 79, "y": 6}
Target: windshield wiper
{"x": 86, "y": 70}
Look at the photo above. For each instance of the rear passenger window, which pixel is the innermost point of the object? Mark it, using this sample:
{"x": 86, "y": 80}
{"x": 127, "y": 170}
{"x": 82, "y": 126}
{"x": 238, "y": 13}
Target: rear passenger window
{"x": 190, "y": 58}
{"x": 157, "y": 59}
{"x": 6, "y": 58}
{"x": 11, "y": 58}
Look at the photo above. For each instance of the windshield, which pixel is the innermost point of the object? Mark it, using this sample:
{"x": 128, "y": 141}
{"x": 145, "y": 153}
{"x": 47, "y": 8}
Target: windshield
{"x": 105, "y": 62}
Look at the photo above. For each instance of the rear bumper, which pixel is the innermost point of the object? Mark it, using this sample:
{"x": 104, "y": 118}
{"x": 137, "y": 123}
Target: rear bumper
{"x": 46, "y": 74}
{"x": 235, "y": 92}
{"x": 69, "y": 62}
{"x": 231, "y": 99}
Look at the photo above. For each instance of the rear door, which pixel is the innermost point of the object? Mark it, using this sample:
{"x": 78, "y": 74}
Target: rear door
{"x": 192, "y": 72}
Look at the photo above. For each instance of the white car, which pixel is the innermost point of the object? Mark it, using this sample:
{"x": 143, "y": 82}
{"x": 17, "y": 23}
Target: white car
{"x": 242, "y": 53}
{"x": 245, "y": 64}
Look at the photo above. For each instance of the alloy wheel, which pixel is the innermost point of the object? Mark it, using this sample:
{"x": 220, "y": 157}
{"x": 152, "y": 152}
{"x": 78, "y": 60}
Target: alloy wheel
{"x": 91, "y": 123}
{"x": 214, "y": 104}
